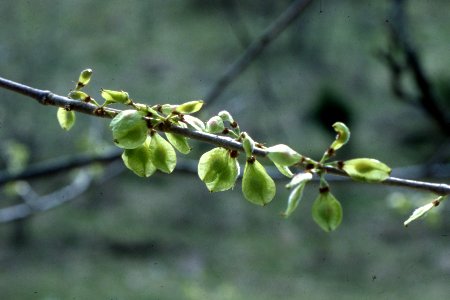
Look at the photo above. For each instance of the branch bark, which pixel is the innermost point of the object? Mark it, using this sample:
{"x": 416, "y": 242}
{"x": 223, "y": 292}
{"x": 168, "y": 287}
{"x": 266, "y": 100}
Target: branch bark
{"x": 48, "y": 98}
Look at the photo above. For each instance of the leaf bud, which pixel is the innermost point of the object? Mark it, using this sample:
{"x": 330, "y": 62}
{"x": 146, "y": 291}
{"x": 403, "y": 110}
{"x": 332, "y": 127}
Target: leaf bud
{"x": 115, "y": 96}
{"x": 225, "y": 116}
{"x": 215, "y": 125}
{"x": 194, "y": 122}
{"x": 129, "y": 129}
{"x": 85, "y": 77}
{"x": 283, "y": 155}
{"x": 342, "y": 137}
{"x": 248, "y": 143}
{"x": 190, "y": 107}
{"x": 78, "y": 95}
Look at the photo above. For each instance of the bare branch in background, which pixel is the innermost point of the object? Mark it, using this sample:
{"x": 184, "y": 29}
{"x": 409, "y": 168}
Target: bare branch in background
{"x": 256, "y": 48}
{"x": 409, "y": 60}
{"x": 34, "y": 203}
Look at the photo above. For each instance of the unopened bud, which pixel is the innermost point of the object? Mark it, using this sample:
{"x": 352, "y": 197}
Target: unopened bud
{"x": 115, "y": 96}
{"x": 85, "y": 77}
{"x": 215, "y": 125}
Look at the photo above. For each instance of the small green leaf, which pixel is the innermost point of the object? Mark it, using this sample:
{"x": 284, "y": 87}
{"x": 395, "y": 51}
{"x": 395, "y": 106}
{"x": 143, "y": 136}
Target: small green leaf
{"x": 78, "y": 95}
{"x": 66, "y": 118}
{"x": 283, "y": 155}
{"x": 284, "y": 170}
{"x": 167, "y": 109}
{"x": 115, "y": 96}
{"x": 342, "y": 137}
{"x": 215, "y": 125}
{"x": 225, "y": 116}
{"x": 129, "y": 129}
{"x": 194, "y": 122}
{"x": 423, "y": 210}
{"x": 366, "y": 169}
{"x": 179, "y": 142}
{"x": 162, "y": 154}
{"x": 85, "y": 77}
{"x": 190, "y": 107}
{"x": 327, "y": 211}
{"x": 138, "y": 160}
{"x": 218, "y": 170}
{"x": 294, "y": 199}
{"x": 248, "y": 143}
{"x": 257, "y": 186}
{"x": 299, "y": 178}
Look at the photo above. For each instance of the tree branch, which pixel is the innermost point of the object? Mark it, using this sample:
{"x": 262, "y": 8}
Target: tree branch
{"x": 257, "y": 47}
{"x": 48, "y": 98}
{"x": 426, "y": 98}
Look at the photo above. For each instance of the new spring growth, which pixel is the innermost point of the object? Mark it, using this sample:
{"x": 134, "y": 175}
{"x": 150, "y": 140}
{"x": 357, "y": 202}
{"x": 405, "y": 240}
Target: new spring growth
{"x": 129, "y": 129}
{"x": 423, "y": 210}
{"x": 248, "y": 143}
{"x": 297, "y": 184}
{"x": 283, "y": 155}
{"x": 225, "y": 116}
{"x": 189, "y": 107}
{"x": 215, "y": 125}
{"x": 83, "y": 80}
{"x": 365, "y": 169}
{"x": 257, "y": 186}
{"x": 342, "y": 137}
{"x": 66, "y": 118}
{"x": 138, "y": 159}
{"x": 218, "y": 170}
{"x": 115, "y": 97}
{"x": 327, "y": 211}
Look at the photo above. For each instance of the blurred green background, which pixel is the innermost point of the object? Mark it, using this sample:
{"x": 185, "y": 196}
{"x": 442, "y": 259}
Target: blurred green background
{"x": 167, "y": 237}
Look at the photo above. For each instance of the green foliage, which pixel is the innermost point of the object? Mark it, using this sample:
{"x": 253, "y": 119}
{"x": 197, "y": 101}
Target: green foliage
{"x": 257, "y": 186}
{"x": 135, "y": 130}
{"x": 423, "y": 210}
{"x": 215, "y": 125}
{"x": 66, "y": 118}
{"x": 84, "y": 78}
{"x": 179, "y": 142}
{"x": 327, "y": 211}
{"x": 189, "y": 107}
{"x": 366, "y": 169}
{"x": 129, "y": 129}
{"x": 139, "y": 160}
{"x": 343, "y": 135}
{"x": 297, "y": 184}
{"x": 162, "y": 154}
{"x": 218, "y": 170}
{"x": 115, "y": 97}
{"x": 283, "y": 155}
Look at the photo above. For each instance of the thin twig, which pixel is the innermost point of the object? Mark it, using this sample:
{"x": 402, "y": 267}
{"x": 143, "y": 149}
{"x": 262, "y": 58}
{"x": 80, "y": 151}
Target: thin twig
{"x": 34, "y": 203}
{"x": 60, "y": 101}
{"x": 257, "y": 47}
{"x": 426, "y": 98}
